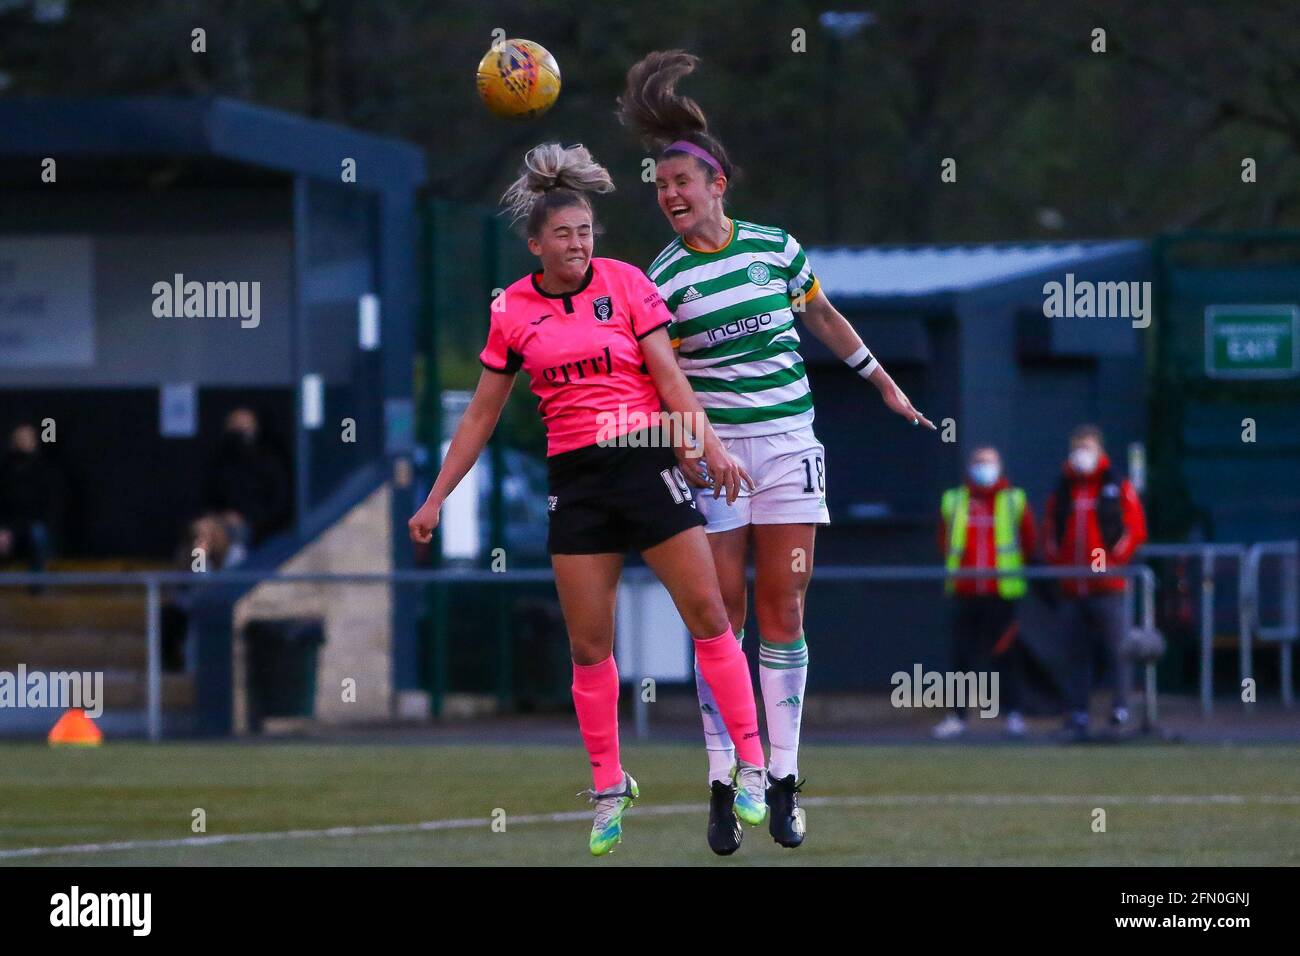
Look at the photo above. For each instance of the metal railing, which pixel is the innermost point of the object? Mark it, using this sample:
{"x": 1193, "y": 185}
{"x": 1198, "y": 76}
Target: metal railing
{"x": 1249, "y": 560}
{"x": 1288, "y": 630}
{"x": 853, "y": 573}
{"x": 1209, "y": 555}
{"x": 154, "y": 582}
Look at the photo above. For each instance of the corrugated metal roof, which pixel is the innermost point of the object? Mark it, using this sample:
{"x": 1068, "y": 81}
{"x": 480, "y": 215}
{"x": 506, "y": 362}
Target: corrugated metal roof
{"x": 900, "y": 271}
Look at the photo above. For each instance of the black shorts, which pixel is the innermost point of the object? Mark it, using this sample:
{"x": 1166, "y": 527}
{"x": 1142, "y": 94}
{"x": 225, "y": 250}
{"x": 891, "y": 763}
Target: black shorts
{"x": 613, "y": 499}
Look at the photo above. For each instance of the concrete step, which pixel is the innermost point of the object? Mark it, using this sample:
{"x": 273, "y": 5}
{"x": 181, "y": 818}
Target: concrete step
{"x": 58, "y": 608}
{"x": 121, "y": 690}
{"x": 126, "y": 691}
{"x": 78, "y": 648}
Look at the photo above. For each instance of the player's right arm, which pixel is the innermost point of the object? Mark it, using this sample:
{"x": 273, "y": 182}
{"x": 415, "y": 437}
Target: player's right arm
{"x": 467, "y": 444}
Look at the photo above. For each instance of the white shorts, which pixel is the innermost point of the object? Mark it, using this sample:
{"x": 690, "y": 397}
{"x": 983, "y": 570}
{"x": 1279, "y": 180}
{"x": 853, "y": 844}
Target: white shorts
{"x": 789, "y": 472}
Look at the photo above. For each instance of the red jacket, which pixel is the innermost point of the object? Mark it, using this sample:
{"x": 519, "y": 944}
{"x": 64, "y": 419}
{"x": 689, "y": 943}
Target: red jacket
{"x": 981, "y": 548}
{"x": 1082, "y": 532}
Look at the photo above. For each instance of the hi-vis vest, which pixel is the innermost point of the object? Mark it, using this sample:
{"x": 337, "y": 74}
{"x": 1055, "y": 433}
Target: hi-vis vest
{"x": 1008, "y": 509}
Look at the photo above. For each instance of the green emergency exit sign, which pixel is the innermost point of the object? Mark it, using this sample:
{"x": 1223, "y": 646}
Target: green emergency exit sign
{"x": 1252, "y": 341}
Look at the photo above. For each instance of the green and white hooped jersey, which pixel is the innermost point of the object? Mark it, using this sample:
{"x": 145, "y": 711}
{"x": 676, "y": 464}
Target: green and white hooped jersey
{"x": 734, "y": 329}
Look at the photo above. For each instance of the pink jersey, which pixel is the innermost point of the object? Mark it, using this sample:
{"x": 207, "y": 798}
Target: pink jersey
{"x": 582, "y": 351}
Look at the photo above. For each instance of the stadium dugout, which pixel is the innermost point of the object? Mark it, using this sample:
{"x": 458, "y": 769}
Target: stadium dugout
{"x": 166, "y": 260}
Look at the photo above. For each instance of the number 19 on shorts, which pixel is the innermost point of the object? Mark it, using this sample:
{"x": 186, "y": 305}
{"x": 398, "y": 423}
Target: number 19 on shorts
{"x": 677, "y": 485}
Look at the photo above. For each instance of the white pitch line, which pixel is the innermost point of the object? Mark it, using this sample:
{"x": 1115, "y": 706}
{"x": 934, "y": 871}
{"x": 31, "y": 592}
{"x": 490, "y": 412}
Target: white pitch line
{"x": 672, "y": 809}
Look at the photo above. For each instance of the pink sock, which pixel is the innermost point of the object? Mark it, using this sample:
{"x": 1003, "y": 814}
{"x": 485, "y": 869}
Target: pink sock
{"x": 595, "y": 698}
{"x": 726, "y": 671}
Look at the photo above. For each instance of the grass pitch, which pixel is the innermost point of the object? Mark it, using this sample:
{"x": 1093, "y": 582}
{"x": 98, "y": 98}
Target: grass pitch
{"x": 409, "y": 804}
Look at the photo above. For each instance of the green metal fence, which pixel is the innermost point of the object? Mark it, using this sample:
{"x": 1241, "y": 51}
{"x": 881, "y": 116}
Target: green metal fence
{"x": 1211, "y": 475}
{"x": 1224, "y": 409}
{"x": 468, "y": 253}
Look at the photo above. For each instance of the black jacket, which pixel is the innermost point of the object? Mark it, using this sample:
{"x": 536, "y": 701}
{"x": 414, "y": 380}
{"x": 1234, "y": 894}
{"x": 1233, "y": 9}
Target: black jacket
{"x": 252, "y": 480}
{"x": 32, "y": 490}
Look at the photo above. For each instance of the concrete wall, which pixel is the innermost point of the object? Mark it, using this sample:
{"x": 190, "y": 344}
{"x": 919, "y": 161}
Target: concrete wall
{"x": 358, "y": 632}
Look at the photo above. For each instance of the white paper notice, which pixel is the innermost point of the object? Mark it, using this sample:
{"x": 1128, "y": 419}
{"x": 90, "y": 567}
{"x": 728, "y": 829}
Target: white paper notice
{"x": 178, "y": 411}
{"x": 313, "y": 401}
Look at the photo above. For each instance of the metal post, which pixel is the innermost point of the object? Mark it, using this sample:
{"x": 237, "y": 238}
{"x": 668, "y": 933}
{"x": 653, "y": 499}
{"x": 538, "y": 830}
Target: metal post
{"x": 496, "y": 498}
{"x": 1288, "y": 630}
{"x": 1290, "y": 617}
{"x": 1124, "y": 664}
{"x": 1149, "y": 690}
{"x": 438, "y": 653}
{"x": 1149, "y": 599}
{"x": 1291, "y": 586}
{"x": 1246, "y": 596}
{"x": 298, "y": 349}
{"x": 641, "y": 708}
{"x": 1207, "y": 631}
{"x": 1287, "y": 697}
{"x": 430, "y": 436}
{"x": 153, "y": 688}
{"x": 505, "y": 651}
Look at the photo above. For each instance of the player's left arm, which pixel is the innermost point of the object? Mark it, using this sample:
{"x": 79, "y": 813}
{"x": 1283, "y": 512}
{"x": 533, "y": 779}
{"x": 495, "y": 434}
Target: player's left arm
{"x": 650, "y": 321}
{"x": 678, "y": 397}
{"x": 830, "y": 328}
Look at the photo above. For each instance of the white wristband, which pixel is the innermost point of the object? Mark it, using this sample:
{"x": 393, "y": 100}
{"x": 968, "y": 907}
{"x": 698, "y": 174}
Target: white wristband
{"x": 862, "y": 362}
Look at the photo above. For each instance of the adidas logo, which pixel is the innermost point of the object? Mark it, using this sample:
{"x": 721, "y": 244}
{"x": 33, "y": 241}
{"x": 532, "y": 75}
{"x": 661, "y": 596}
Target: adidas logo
{"x": 692, "y": 294}
{"x": 791, "y": 701}
{"x": 707, "y": 709}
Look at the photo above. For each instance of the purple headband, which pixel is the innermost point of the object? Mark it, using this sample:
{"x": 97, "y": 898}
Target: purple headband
{"x": 685, "y": 147}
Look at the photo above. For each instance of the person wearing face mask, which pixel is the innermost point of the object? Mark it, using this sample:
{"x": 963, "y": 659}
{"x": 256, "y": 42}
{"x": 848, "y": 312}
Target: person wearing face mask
{"x": 247, "y": 485}
{"x": 1093, "y": 518}
{"x": 31, "y": 500}
{"x": 984, "y": 524}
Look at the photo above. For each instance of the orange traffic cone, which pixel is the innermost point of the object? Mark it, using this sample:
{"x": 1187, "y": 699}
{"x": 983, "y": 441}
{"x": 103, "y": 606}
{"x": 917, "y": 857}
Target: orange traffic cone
{"x": 75, "y": 729}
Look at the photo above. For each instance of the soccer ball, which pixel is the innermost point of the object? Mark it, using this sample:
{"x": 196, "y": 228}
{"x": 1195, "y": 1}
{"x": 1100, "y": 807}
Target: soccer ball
{"x": 518, "y": 79}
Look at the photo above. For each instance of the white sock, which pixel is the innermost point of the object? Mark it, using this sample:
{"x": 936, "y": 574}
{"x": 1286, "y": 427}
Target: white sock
{"x": 783, "y": 672}
{"x": 717, "y": 742}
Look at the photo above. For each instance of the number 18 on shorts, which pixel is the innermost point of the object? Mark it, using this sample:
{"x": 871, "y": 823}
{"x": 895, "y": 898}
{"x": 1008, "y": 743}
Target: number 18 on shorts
{"x": 789, "y": 470}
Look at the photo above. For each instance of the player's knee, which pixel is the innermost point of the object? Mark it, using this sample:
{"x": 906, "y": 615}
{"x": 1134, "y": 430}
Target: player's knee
{"x": 706, "y": 616}
{"x": 736, "y": 615}
{"x": 780, "y": 620}
{"x": 588, "y": 649}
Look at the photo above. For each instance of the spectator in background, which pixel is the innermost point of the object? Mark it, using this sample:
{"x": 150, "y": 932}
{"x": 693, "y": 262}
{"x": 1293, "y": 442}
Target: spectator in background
{"x": 209, "y": 534}
{"x": 1094, "y": 518}
{"x": 984, "y": 524}
{"x": 32, "y": 500}
{"x": 247, "y": 484}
